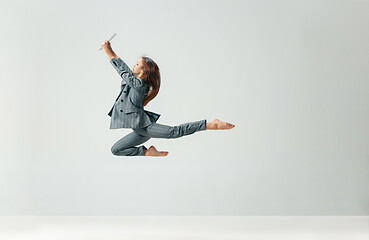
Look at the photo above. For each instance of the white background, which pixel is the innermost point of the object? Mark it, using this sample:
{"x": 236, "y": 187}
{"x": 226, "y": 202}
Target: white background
{"x": 185, "y": 227}
{"x": 291, "y": 75}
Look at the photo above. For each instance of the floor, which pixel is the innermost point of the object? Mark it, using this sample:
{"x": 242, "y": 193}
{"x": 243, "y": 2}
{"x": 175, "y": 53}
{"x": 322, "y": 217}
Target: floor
{"x": 185, "y": 227}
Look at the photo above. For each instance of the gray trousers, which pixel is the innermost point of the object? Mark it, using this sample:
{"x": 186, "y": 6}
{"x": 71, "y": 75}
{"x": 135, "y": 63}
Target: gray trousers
{"x": 126, "y": 146}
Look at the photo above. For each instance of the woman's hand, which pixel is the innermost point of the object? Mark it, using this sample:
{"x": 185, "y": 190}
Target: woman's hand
{"x": 109, "y": 51}
{"x": 106, "y": 46}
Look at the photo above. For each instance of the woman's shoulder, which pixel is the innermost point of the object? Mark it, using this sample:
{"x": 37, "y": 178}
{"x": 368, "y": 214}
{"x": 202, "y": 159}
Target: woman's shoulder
{"x": 145, "y": 85}
{"x": 143, "y": 88}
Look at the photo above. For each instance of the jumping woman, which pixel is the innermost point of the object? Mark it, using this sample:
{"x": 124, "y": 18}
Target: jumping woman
{"x": 138, "y": 87}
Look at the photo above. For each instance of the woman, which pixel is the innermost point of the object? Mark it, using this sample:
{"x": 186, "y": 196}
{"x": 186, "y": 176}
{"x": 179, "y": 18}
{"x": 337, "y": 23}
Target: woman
{"x": 139, "y": 86}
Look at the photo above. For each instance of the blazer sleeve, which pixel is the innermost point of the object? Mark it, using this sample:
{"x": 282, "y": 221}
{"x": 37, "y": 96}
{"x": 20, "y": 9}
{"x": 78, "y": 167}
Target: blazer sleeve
{"x": 126, "y": 73}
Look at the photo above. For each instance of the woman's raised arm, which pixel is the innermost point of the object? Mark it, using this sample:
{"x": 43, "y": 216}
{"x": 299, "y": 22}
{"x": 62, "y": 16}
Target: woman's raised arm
{"x": 126, "y": 73}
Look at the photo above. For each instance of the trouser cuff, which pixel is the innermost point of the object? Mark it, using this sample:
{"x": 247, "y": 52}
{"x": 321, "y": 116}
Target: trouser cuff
{"x": 203, "y": 124}
{"x": 141, "y": 148}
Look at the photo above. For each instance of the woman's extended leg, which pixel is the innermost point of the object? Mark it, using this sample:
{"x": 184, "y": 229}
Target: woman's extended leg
{"x": 126, "y": 145}
{"x": 156, "y": 130}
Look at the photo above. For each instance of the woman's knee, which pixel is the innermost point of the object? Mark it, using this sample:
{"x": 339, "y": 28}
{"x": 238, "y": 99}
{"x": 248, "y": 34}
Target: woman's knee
{"x": 114, "y": 150}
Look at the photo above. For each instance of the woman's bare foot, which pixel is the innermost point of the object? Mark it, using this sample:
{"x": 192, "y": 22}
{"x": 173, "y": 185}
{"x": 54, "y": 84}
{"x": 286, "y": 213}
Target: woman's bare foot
{"x": 219, "y": 125}
{"x": 151, "y": 151}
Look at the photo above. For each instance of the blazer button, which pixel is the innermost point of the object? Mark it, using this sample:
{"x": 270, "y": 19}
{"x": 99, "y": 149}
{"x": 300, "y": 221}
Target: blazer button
{"x": 121, "y": 100}
{"x": 121, "y": 110}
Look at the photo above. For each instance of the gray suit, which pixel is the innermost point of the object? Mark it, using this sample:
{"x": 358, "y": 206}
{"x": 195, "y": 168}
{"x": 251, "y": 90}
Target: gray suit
{"x": 128, "y": 112}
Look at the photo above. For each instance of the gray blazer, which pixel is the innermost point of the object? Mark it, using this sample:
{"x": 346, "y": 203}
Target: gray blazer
{"x": 128, "y": 111}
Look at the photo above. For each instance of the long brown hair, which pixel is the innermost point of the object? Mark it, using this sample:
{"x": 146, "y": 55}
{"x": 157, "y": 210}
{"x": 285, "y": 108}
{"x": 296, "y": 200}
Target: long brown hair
{"x": 152, "y": 76}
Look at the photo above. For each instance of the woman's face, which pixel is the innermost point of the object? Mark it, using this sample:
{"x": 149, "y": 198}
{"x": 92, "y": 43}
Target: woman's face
{"x": 137, "y": 69}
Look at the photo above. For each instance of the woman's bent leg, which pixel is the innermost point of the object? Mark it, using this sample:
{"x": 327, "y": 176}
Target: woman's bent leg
{"x": 126, "y": 145}
{"x": 156, "y": 130}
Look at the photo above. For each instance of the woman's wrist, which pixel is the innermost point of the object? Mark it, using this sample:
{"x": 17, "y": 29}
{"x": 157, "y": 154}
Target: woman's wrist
{"x": 111, "y": 54}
